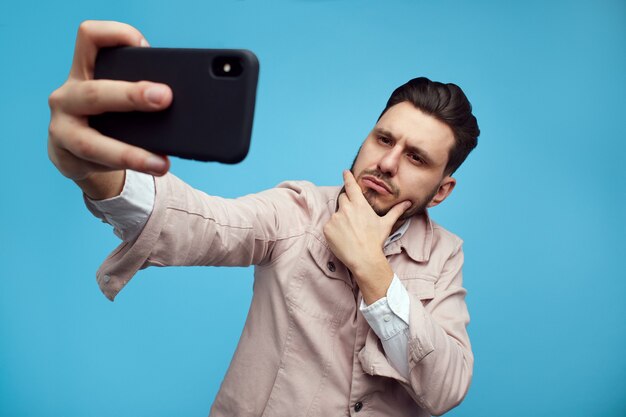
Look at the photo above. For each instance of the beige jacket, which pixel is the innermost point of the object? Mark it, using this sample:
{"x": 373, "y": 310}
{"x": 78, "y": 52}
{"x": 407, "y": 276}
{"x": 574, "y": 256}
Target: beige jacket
{"x": 306, "y": 349}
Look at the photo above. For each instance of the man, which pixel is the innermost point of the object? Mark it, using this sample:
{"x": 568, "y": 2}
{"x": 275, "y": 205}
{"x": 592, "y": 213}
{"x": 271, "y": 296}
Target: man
{"x": 358, "y": 305}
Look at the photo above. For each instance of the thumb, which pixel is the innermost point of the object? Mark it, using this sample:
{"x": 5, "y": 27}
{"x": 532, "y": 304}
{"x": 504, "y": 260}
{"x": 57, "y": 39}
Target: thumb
{"x": 396, "y": 211}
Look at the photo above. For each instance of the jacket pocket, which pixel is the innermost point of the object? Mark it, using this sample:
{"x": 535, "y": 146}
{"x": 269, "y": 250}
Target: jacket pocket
{"x": 421, "y": 286}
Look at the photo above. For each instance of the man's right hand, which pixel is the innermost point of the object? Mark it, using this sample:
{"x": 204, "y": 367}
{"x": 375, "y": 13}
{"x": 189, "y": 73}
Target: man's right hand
{"x": 94, "y": 161}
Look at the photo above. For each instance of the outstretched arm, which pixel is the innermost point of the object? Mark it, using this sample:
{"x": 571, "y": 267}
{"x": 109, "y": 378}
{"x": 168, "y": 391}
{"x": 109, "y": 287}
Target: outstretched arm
{"x": 95, "y": 162}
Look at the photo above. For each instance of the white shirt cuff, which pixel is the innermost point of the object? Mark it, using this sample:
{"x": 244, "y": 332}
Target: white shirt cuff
{"x": 128, "y": 212}
{"x": 389, "y": 315}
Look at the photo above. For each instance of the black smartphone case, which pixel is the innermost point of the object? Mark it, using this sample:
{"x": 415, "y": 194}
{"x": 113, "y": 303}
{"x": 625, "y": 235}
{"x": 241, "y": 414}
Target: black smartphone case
{"x": 210, "y": 118}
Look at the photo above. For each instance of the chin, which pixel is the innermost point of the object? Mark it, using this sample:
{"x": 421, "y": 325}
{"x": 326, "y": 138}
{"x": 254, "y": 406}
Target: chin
{"x": 372, "y": 198}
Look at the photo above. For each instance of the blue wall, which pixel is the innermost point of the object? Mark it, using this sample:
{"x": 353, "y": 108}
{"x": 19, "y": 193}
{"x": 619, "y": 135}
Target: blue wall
{"x": 539, "y": 203}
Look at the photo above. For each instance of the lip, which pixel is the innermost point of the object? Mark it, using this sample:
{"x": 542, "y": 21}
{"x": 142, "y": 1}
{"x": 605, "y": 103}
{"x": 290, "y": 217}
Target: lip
{"x": 376, "y": 185}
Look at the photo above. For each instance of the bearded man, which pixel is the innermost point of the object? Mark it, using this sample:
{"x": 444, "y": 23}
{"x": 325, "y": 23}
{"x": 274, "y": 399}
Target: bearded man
{"x": 358, "y": 304}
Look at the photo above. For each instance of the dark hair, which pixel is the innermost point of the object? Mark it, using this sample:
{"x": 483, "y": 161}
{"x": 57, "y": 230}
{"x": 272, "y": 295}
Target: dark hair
{"x": 447, "y": 103}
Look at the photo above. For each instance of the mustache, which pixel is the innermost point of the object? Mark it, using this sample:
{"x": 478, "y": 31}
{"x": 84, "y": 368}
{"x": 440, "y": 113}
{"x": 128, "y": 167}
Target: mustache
{"x": 382, "y": 177}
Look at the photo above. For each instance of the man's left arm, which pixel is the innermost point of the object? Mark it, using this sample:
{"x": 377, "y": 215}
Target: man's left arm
{"x": 388, "y": 317}
{"x": 439, "y": 354}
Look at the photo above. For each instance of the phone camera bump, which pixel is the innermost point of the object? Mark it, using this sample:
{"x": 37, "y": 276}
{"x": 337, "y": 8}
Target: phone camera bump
{"x": 227, "y": 66}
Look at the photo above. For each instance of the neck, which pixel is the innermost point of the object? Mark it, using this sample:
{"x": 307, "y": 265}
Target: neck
{"x": 396, "y": 226}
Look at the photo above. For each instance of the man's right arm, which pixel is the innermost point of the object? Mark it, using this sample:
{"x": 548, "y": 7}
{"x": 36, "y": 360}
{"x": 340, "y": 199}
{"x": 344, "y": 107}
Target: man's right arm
{"x": 95, "y": 162}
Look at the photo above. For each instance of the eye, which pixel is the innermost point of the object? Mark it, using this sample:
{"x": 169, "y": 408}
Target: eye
{"x": 415, "y": 158}
{"x": 385, "y": 140}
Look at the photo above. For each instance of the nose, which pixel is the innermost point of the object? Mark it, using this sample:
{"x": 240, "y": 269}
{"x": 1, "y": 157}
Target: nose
{"x": 389, "y": 161}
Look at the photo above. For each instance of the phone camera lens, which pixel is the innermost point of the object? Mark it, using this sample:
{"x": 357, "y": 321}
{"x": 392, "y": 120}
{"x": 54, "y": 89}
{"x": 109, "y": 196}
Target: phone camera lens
{"x": 227, "y": 66}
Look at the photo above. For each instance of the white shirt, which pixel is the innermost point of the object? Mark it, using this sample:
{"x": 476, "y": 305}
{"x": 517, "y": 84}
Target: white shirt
{"x": 388, "y": 316}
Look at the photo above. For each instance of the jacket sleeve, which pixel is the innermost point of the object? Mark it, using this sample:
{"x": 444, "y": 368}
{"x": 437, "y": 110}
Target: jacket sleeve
{"x": 188, "y": 227}
{"x": 439, "y": 351}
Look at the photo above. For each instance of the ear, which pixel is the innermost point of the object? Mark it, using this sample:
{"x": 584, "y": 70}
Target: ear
{"x": 445, "y": 188}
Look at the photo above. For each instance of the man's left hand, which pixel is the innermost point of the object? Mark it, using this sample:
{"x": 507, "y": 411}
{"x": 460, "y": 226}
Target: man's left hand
{"x": 356, "y": 235}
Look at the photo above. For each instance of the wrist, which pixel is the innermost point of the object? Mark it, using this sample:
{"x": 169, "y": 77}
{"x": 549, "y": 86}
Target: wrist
{"x": 373, "y": 278}
{"x": 103, "y": 185}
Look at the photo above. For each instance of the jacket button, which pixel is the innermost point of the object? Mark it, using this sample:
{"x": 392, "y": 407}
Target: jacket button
{"x": 331, "y": 266}
{"x": 358, "y": 406}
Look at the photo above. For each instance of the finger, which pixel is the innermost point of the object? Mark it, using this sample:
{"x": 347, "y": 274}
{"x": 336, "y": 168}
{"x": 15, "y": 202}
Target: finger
{"x": 343, "y": 200}
{"x": 80, "y": 165}
{"x": 88, "y": 144}
{"x": 98, "y": 96}
{"x": 93, "y": 35}
{"x": 352, "y": 188}
{"x": 395, "y": 212}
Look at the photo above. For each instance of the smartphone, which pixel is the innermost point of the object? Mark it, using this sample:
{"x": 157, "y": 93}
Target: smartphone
{"x": 211, "y": 115}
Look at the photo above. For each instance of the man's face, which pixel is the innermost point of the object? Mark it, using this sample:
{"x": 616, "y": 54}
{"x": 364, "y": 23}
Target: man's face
{"x": 403, "y": 158}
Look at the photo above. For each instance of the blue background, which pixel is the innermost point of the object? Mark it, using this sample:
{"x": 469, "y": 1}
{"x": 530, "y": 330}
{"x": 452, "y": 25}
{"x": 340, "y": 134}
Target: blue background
{"x": 539, "y": 203}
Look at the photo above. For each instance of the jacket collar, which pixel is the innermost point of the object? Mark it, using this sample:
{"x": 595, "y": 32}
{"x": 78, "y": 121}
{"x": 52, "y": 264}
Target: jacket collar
{"x": 418, "y": 239}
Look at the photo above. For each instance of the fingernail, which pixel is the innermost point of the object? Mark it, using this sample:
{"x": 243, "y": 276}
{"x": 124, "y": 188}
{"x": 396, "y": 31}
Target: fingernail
{"x": 144, "y": 43}
{"x": 155, "y": 164}
{"x": 155, "y": 94}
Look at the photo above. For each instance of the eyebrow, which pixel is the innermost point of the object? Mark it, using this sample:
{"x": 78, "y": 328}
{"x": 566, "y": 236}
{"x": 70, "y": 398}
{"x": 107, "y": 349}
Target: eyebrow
{"x": 416, "y": 149}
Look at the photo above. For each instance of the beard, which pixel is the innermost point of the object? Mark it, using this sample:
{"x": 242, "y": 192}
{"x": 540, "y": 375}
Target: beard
{"x": 418, "y": 207}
